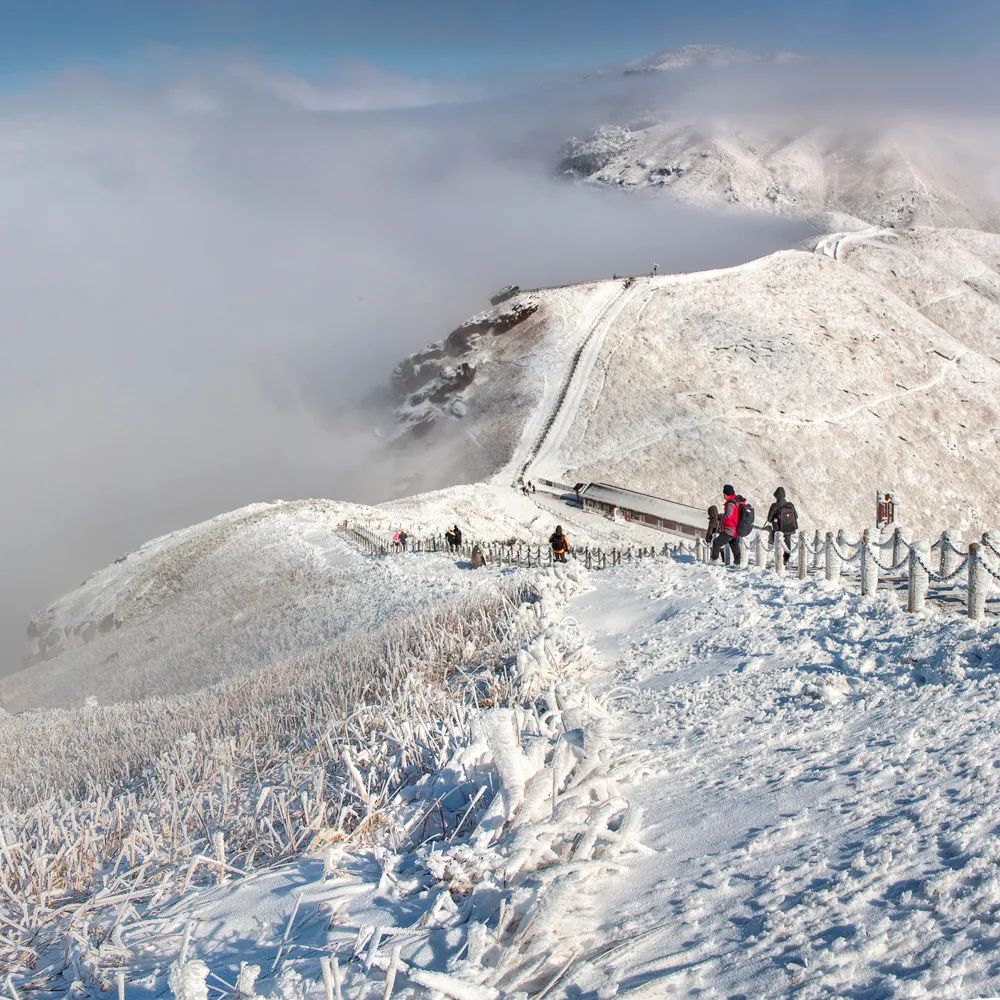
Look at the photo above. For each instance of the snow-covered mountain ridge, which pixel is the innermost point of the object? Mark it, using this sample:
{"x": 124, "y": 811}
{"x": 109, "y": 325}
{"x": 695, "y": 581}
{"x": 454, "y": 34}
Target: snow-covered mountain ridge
{"x": 696, "y": 56}
{"x": 900, "y": 176}
{"x": 870, "y": 362}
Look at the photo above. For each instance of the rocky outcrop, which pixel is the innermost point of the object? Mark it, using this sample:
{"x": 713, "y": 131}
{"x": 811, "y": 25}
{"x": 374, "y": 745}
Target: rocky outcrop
{"x": 430, "y": 384}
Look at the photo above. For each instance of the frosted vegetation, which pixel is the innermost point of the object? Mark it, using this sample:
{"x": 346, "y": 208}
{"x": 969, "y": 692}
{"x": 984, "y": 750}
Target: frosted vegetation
{"x": 110, "y": 812}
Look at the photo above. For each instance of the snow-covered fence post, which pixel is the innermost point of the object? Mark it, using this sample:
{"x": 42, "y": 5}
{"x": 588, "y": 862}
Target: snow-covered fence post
{"x": 869, "y": 568}
{"x": 698, "y": 554}
{"x": 897, "y": 544}
{"x": 918, "y": 580}
{"x": 977, "y": 584}
{"x": 832, "y": 560}
{"x": 949, "y": 557}
{"x": 803, "y": 556}
{"x": 778, "y": 555}
{"x": 817, "y": 548}
{"x": 758, "y": 551}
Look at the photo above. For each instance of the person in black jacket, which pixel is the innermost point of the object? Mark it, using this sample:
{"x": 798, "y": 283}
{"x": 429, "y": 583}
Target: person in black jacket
{"x": 559, "y": 543}
{"x": 783, "y": 519}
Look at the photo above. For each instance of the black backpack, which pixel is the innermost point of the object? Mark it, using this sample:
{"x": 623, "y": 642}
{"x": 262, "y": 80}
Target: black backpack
{"x": 788, "y": 519}
{"x": 747, "y": 517}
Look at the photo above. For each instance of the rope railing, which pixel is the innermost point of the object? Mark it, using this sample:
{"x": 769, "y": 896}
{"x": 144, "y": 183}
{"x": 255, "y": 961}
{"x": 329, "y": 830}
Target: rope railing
{"x": 831, "y": 556}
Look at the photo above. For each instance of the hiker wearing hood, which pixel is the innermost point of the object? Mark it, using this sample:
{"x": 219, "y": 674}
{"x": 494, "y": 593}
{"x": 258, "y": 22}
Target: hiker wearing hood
{"x": 559, "y": 543}
{"x": 783, "y": 519}
{"x": 728, "y": 539}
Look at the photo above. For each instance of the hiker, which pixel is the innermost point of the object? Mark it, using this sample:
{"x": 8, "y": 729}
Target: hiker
{"x": 478, "y": 559}
{"x": 783, "y": 519}
{"x": 559, "y": 543}
{"x": 656, "y": 268}
{"x": 402, "y": 540}
{"x": 396, "y": 540}
{"x": 713, "y": 532}
{"x": 729, "y": 536}
{"x": 453, "y": 536}
{"x": 531, "y": 486}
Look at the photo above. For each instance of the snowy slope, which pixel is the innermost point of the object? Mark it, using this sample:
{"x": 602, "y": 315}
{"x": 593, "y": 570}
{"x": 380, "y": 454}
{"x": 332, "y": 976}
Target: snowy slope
{"x": 262, "y": 585}
{"x": 871, "y": 363}
{"x": 893, "y": 173}
{"x": 819, "y": 786}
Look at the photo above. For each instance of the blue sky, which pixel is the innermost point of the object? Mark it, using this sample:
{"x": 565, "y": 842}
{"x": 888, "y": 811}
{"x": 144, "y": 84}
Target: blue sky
{"x": 452, "y": 37}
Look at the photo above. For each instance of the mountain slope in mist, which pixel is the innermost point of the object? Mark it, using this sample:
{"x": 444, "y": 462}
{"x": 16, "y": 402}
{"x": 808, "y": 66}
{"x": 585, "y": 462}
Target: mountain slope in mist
{"x": 873, "y": 362}
{"x": 850, "y": 144}
{"x": 903, "y": 177}
{"x": 698, "y": 56}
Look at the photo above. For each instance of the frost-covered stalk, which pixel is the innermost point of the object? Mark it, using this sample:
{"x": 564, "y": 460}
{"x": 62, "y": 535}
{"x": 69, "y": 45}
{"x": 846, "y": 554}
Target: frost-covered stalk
{"x": 977, "y": 584}
{"x": 219, "y": 842}
{"x": 917, "y": 583}
{"x": 390, "y": 974}
{"x": 869, "y": 568}
{"x": 188, "y": 980}
{"x": 331, "y": 978}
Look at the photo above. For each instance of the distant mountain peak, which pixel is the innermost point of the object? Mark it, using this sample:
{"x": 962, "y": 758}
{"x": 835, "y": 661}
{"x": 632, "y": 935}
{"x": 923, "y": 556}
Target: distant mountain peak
{"x": 695, "y": 56}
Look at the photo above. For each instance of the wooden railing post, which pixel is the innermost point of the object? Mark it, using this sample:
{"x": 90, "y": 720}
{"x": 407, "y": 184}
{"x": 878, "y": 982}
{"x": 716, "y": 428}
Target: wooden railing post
{"x": 897, "y": 545}
{"x": 917, "y": 578}
{"x": 698, "y": 554}
{"x": 803, "y": 556}
{"x": 817, "y": 548}
{"x": 832, "y": 560}
{"x": 869, "y": 568}
{"x": 977, "y": 584}
{"x": 949, "y": 557}
{"x": 778, "y": 555}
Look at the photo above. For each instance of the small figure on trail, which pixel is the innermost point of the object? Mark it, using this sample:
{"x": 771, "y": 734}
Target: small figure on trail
{"x": 783, "y": 519}
{"x": 729, "y": 536}
{"x": 713, "y": 532}
{"x": 478, "y": 559}
{"x": 402, "y": 540}
{"x": 656, "y": 268}
{"x": 559, "y": 543}
{"x": 531, "y": 486}
{"x": 396, "y": 540}
{"x": 453, "y": 536}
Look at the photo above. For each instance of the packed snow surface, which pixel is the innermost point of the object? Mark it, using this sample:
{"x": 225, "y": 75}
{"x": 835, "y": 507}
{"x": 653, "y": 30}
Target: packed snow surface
{"x": 820, "y": 788}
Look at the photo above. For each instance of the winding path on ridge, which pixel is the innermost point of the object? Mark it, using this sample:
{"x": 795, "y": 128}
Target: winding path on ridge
{"x": 578, "y": 374}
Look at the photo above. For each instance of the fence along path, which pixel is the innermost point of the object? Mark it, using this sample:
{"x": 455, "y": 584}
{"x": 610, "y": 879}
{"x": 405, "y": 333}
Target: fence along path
{"x": 941, "y": 573}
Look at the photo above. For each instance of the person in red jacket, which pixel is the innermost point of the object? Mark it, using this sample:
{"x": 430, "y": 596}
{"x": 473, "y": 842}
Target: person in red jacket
{"x": 728, "y": 537}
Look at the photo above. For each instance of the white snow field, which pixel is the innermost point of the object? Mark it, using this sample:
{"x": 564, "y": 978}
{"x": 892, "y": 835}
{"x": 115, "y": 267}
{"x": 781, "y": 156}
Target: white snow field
{"x": 820, "y": 786}
{"x": 666, "y": 779}
{"x": 870, "y": 363}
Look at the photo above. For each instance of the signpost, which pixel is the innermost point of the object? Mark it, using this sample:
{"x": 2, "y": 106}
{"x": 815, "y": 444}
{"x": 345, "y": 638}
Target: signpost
{"x": 885, "y": 508}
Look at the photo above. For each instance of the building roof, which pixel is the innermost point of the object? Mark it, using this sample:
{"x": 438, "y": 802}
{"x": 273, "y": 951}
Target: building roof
{"x": 645, "y": 504}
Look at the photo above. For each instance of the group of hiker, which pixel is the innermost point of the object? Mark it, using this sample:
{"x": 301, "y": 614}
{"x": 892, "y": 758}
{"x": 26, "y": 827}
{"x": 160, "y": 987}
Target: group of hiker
{"x": 737, "y": 521}
{"x": 725, "y": 529}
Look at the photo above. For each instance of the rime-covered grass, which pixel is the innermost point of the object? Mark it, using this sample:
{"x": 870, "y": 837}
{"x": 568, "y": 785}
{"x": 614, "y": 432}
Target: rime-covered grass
{"x": 110, "y": 812}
